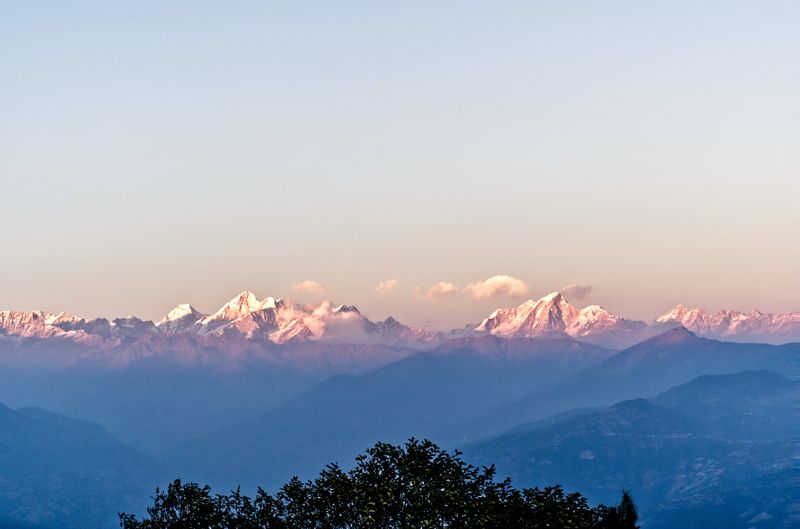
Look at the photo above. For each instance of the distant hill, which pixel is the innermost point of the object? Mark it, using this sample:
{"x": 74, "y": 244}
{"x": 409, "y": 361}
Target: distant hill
{"x": 153, "y": 408}
{"x": 462, "y": 390}
{"x": 59, "y": 470}
{"x": 428, "y": 395}
{"x": 643, "y": 370}
{"x": 713, "y": 453}
{"x": 61, "y": 473}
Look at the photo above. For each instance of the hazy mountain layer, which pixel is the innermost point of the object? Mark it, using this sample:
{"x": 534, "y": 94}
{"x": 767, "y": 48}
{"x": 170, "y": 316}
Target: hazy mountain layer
{"x": 672, "y": 358}
{"x": 427, "y": 395}
{"x": 61, "y": 473}
{"x": 713, "y": 453}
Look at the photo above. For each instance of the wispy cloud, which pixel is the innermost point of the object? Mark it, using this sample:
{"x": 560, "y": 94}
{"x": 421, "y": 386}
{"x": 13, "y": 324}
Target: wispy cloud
{"x": 387, "y": 288}
{"x": 309, "y": 286}
{"x": 576, "y": 292}
{"x": 499, "y": 285}
{"x": 440, "y": 290}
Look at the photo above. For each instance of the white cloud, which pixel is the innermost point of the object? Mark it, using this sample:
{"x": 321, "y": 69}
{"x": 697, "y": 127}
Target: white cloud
{"x": 440, "y": 290}
{"x": 499, "y": 285}
{"x": 309, "y": 286}
{"x": 386, "y": 288}
{"x": 576, "y": 292}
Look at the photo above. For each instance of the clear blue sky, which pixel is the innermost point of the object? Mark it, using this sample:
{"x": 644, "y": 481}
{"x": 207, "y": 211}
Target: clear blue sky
{"x": 161, "y": 152}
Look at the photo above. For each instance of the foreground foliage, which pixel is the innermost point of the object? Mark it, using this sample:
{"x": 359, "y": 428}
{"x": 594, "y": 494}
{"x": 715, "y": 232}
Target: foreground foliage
{"x": 414, "y": 486}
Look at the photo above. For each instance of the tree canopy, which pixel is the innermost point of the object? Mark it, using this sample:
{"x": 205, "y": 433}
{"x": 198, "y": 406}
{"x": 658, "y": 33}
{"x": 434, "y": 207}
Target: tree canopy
{"x": 414, "y": 486}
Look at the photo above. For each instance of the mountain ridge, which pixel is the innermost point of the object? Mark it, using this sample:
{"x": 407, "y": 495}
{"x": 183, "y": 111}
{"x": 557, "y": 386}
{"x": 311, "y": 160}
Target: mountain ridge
{"x": 248, "y": 323}
{"x": 694, "y": 456}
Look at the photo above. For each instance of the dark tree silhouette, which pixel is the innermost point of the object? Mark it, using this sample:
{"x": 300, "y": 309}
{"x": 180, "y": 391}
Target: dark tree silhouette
{"x": 415, "y": 486}
{"x": 627, "y": 512}
{"x": 623, "y": 516}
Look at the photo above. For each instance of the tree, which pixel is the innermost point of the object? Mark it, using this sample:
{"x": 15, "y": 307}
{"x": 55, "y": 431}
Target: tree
{"x": 623, "y": 516}
{"x": 414, "y": 486}
{"x": 627, "y": 512}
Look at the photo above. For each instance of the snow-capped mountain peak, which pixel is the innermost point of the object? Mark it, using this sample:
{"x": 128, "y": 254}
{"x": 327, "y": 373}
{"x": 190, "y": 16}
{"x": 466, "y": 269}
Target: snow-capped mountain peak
{"x": 553, "y": 315}
{"x": 247, "y": 320}
{"x": 676, "y": 314}
{"x": 346, "y": 308}
{"x": 548, "y": 315}
{"x": 180, "y": 311}
{"x": 180, "y": 319}
{"x": 243, "y": 304}
{"x": 280, "y": 322}
{"x": 238, "y": 308}
{"x": 735, "y": 325}
{"x": 551, "y": 297}
{"x": 20, "y": 323}
{"x": 62, "y": 319}
{"x": 271, "y": 303}
{"x": 594, "y": 314}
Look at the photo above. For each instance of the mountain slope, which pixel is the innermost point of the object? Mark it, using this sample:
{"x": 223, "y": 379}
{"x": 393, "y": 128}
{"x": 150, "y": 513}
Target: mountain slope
{"x": 655, "y": 365}
{"x": 63, "y": 473}
{"x": 686, "y": 466}
{"x": 428, "y": 394}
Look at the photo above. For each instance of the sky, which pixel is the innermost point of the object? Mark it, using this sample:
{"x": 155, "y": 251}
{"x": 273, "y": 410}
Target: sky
{"x": 153, "y": 153}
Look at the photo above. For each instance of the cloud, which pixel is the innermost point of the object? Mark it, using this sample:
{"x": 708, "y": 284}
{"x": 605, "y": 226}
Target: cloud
{"x": 327, "y": 325}
{"x": 499, "y": 285}
{"x": 576, "y": 292}
{"x": 440, "y": 290}
{"x": 309, "y": 286}
{"x": 386, "y": 288}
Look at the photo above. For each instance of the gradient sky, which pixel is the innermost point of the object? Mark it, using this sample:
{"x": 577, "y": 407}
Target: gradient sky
{"x": 161, "y": 152}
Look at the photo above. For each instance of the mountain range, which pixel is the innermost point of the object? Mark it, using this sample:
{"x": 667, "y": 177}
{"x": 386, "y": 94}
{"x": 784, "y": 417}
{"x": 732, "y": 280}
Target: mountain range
{"x": 755, "y": 326}
{"x": 463, "y": 390}
{"x": 656, "y": 364}
{"x": 552, "y": 315}
{"x": 693, "y": 450}
{"x": 714, "y": 452}
{"x": 247, "y": 327}
{"x": 430, "y": 394}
